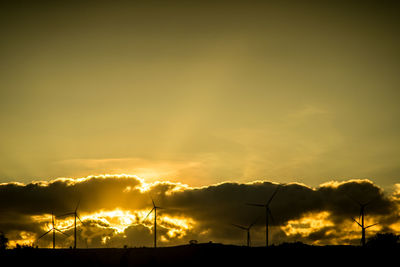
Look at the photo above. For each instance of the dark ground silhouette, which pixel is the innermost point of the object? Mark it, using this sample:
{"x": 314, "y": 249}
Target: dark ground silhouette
{"x": 203, "y": 255}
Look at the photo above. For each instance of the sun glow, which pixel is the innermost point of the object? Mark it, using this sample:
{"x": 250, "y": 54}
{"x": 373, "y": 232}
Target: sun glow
{"x": 120, "y": 220}
{"x": 61, "y": 224}
{"x": 23, "y": 239}
{"x": 105, "y": 224}
{"x": 177, "y": 227}
{"x": 309, "y": 223}
{"x": 117, "y": 219}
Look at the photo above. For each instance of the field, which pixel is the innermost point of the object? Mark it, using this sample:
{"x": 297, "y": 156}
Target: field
{"x": 201, "y": 255}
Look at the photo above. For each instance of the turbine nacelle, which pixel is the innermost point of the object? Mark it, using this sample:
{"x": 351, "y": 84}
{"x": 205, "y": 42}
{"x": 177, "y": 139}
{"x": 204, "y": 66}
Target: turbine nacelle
{"x": 155, "y": 208}
{"x": 54, "y": 229}
{"x": 360, "y": 221}
{"x": 75, "y": 214}
{"x": 268, "y": 212}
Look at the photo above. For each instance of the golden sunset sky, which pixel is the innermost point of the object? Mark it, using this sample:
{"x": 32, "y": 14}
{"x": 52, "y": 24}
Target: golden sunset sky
{"x": 200, "y": 93}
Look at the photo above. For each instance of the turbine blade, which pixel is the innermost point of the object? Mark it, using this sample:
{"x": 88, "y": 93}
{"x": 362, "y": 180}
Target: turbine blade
{"x": 154, "y": 205}
{"x": 356, "y": 222}
{"x": 77, "y": 205}
{"x": 371, "y": 225}
{"x": 148, "y": 214}
{"x": 273, "y": 194}
{"x": 254, "y": 222}
{"x": 358, "y": 202}
{"x": 255, "y": 205}
{"x": 239, "y": 226}
{"x": 270, "y": 214}
{"x": 79, "y": 218}
{"x": 372, "y": 200}
{"x": 61, "y": 231}
{"x": 44, "y": 234}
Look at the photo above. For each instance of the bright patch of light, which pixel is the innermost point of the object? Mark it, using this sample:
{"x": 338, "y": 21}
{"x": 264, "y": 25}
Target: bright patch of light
{"x": 144, "y": 187}
{"x": 307, "y": 224}
{"x": 104, "y": 239}
{"x": 24, "y": 239}
{"x": 177, "y": 227}
{"x": 117, "y": 219}
{"x": 185, "y": 223}
{"x": 46, "y": 221}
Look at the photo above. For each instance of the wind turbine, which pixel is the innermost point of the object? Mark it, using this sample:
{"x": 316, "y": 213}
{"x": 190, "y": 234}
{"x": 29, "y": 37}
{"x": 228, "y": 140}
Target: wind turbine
{"x": 75, "y": 214}
{"x": 267, "y": 212}
{"x": 54, "y": 231}
{"x": 246, "y": 229}
{"x": 155, "y": 221}
{"x": 360, "y": 221}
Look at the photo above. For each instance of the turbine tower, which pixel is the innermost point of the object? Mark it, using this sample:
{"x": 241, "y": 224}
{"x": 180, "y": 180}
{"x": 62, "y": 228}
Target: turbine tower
{"x": 268, "y": 212}
{"x": 360, "y": 221}
{"x": 246, "y": 229}
{"x": 54, "y": 231}
{"x": 155, "y": 221}
{"x": 75, "y": 214}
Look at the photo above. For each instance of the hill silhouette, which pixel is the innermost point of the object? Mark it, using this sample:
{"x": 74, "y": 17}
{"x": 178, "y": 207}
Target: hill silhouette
{"x": 201, "y": 255}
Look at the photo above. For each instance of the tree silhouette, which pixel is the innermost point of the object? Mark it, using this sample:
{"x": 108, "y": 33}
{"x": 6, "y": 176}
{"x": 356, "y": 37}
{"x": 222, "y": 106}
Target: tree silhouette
{"x": 3, "y": 241}
{"x": 384, "y": 240}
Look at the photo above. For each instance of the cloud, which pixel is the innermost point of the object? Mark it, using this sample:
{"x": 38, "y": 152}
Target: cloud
{"x": 113, "y": 208}
{"x": 60, "y": 195}
{"x": 147, "y": 169}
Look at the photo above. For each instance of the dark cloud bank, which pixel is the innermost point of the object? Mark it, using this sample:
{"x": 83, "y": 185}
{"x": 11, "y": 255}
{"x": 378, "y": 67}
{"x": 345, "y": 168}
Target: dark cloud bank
{"x": 213, "y": 209}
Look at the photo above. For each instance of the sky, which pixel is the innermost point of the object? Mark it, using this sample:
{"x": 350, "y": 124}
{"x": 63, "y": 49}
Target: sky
{"x": 199, "y": 95}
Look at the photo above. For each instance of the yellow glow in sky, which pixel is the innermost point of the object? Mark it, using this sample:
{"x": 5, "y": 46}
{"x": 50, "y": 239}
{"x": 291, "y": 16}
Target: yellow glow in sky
{"x": 307, "y": 224}
{"x": 200, "y": 93}
{"x": 197, "y": 94}
{"x": 118, "y": 220}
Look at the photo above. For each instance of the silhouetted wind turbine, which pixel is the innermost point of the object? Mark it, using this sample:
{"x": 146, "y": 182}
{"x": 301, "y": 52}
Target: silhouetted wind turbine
{"x": 246, "y": 229}
{"x": 267, "y": 212}
{"x": 360, "y": 221}
{"x": 75, "y": 213}
{"x": 155, "y": 221}
{"x": 54, "y": 231}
